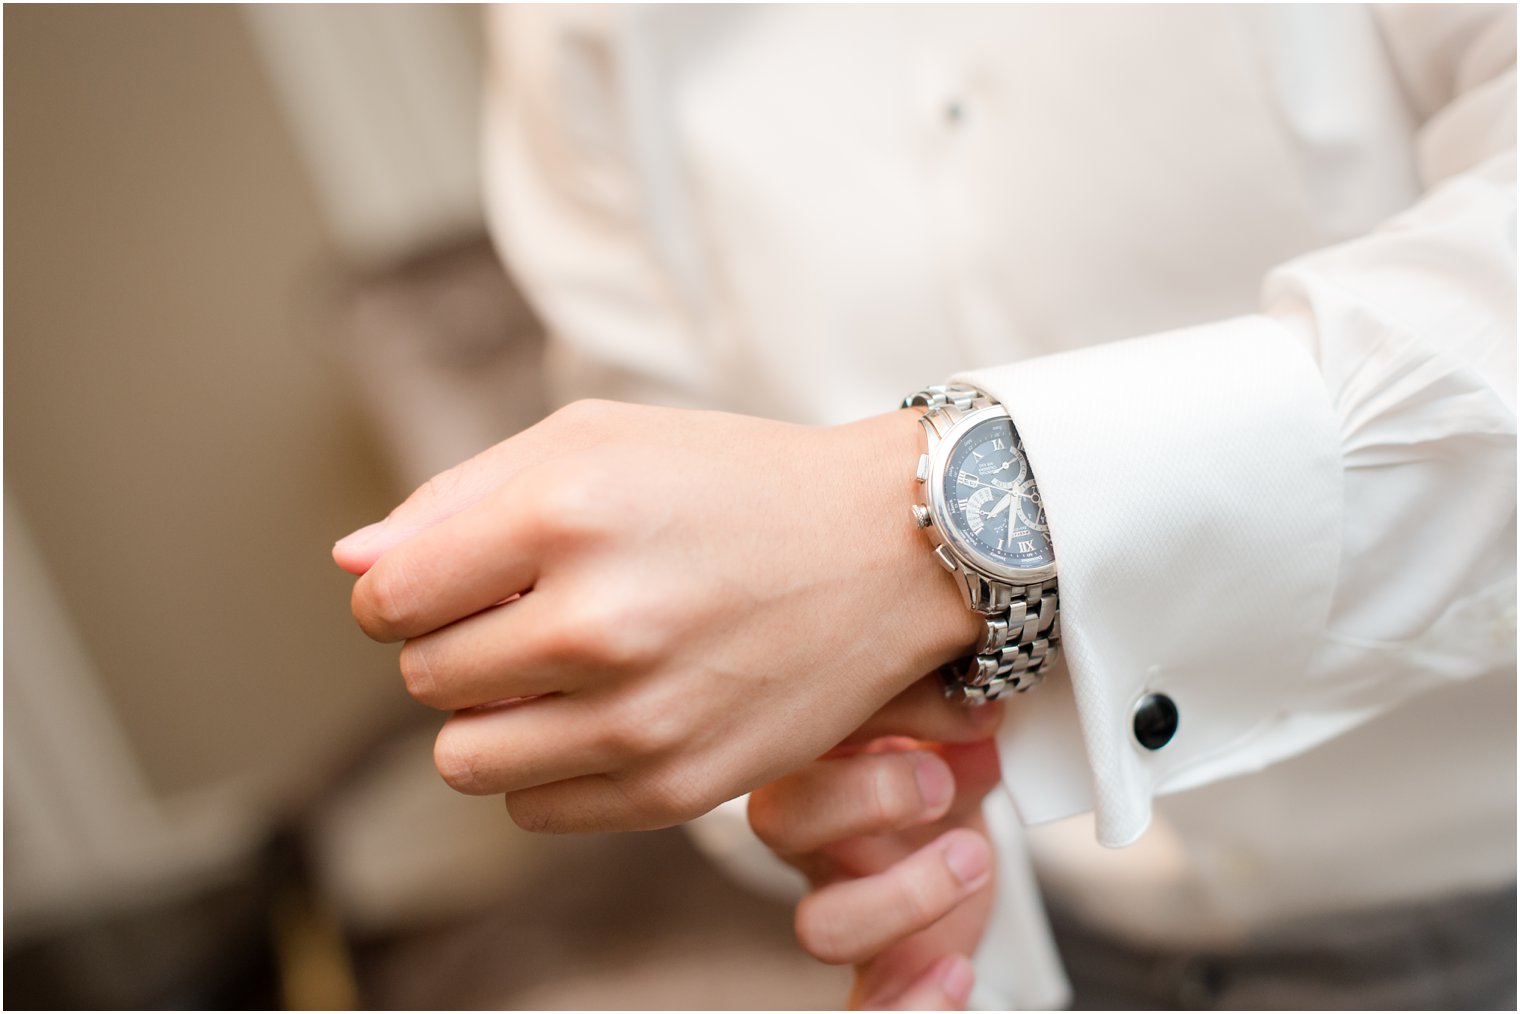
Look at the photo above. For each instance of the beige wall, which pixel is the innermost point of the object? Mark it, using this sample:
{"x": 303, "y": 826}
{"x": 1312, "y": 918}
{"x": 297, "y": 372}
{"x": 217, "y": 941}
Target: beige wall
{"x": 178, "y": 435}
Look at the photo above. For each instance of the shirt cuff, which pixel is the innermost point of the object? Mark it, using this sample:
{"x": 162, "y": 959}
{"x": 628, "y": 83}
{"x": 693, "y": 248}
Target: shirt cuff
{"x": 1192, "y": 483}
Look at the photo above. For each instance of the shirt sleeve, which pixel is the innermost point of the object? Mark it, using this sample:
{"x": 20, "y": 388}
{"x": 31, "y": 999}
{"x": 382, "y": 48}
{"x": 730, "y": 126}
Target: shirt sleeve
{"x": 584, "y": 209}
{"x": 1289, "y": 522}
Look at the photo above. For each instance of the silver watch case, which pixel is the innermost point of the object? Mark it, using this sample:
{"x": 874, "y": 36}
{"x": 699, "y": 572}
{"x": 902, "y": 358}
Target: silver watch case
{"x": 964, "y": 553}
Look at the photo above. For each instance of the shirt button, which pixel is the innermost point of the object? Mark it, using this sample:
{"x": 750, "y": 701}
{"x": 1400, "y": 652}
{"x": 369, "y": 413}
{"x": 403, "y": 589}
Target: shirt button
{"x": 1155, "y": 721}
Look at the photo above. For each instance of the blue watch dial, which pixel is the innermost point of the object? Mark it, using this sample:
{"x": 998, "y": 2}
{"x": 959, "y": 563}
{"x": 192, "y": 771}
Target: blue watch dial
{"x": 992, "y": 499}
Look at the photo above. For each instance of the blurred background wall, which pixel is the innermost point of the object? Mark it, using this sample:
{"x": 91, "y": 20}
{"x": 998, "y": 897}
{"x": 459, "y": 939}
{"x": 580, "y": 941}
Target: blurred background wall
{"x": 248, "y": 305}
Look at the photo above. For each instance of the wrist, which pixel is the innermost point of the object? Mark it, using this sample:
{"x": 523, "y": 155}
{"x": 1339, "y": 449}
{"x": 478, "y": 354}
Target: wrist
{"x": 929, "y": 622}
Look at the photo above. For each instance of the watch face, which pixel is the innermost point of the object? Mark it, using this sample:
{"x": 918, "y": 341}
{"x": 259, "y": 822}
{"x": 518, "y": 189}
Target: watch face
{"x": 992, "y": 500}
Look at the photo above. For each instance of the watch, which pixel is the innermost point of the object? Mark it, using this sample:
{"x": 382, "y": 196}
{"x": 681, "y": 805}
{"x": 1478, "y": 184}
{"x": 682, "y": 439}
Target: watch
{"x": 983, "y": 514}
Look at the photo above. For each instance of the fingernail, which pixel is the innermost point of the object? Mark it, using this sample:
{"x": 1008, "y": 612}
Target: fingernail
{"x": 955, "y": 978}
{"x": 968, "y": 859}
{"x": 935, "y": 782}
{"x": 358, "y": 538}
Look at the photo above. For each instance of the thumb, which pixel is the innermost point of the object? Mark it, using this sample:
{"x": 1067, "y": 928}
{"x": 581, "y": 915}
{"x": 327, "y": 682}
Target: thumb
{"x": 440, "y": 498}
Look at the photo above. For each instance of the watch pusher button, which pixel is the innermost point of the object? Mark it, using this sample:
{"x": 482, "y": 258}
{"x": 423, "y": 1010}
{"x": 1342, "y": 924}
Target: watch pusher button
{"x": 946, "y": 560}
{"x": 922, "y": 472}
{"x": 921, "y": 515}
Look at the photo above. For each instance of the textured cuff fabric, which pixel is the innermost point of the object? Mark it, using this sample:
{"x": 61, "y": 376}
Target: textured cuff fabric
{"x": 1192, "y": 481}
{"x": 1017, "y": 965}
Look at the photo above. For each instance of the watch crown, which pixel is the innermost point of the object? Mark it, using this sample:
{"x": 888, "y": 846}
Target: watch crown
{"x": 921, "y": 515}
{"x": 922, "y": 472}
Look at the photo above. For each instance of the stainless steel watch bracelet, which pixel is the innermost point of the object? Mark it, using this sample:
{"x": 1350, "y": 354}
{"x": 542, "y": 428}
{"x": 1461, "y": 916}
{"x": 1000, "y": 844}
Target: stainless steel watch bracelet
{"x": 1023, "y": 631}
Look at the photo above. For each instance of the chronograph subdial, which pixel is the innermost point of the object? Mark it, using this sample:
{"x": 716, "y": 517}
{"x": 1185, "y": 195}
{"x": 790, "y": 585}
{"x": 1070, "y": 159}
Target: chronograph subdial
{"x": 1032, "y": 507}
{"x": 1010, "y": 474}
{"x": 986, "y": 508}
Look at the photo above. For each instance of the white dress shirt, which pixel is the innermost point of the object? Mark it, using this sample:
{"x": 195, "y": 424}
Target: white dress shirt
{"x": 1245, "y": 279}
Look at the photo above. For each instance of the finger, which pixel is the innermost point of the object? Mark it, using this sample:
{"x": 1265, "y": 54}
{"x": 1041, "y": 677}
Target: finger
{"x": 452, "y": 570}
{"x": 976, "y": 772}
{"x": 852, "y": 920}
{"x": 443, "y": 496}
{"x": 515, "y": 649}
{"x": 944, "y": 985}
{"x": 924, "y": 712}
{"x": 844, "y": 797}
{"x": 520, "y": 745}
{"x": 602, "y": 802}
{"x": 579, "y": 425}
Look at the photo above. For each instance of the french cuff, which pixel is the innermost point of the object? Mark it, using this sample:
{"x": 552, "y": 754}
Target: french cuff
{"x": 1192, "y": 482}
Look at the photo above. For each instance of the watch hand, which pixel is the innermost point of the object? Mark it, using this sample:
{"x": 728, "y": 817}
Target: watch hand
{"x": 1002, "y": 504}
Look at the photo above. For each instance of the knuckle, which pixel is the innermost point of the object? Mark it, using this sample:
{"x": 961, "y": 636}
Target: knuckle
{"x": 566, "y": 501}
{"x": 570, "y": 638}
{"x": 419, "y": 673}
{"x": 631, "y": 740}
{"x": 630, "y": 644}
{"x": 819, "y": 930}
{"x": 578, "y": 409}
{"x": 460, "y": 762}
{"x": 562, "y": 637}
{"x": 570, "y": 511}
{"x": 529, "y": 812}
{"x": 627, "y": 643}
{"x": 645, "y": 726}
{"x": 589, "y": 412}
{"x": 590, "y": 503}
{"x": 385, "y": 602}
{"x": 608, "y": 632}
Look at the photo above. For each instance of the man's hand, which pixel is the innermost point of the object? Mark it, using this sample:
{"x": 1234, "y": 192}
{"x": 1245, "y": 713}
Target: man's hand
{"x": 892, "y": 841}
{"x": 636, "y": 613}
